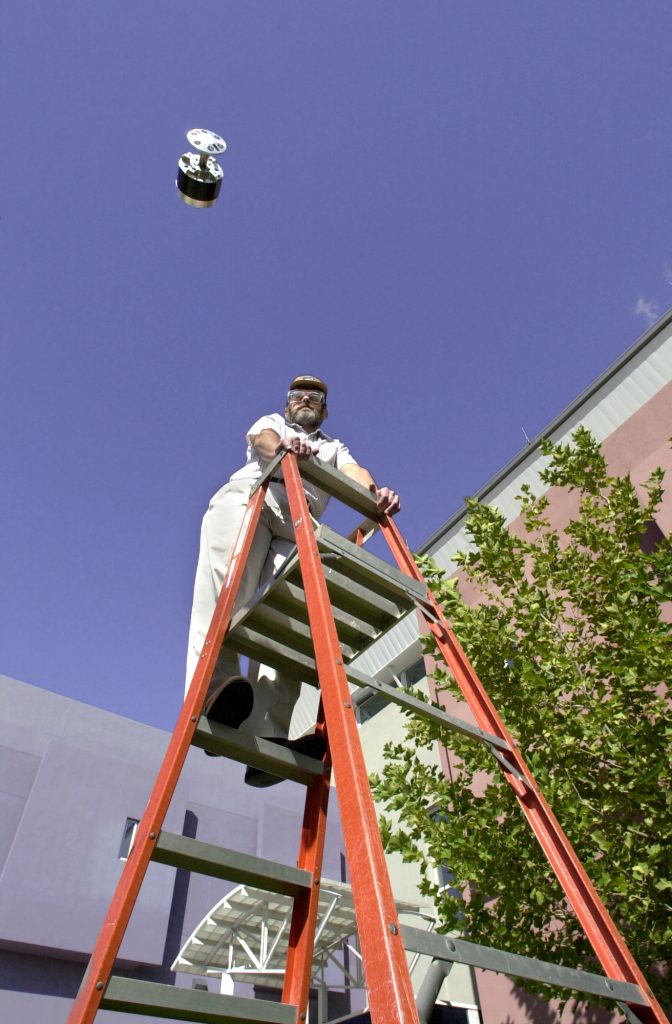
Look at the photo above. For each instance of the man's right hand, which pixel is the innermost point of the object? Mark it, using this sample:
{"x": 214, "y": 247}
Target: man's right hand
{"x": 302, "y": 449}
{"x": 387, "y": 500}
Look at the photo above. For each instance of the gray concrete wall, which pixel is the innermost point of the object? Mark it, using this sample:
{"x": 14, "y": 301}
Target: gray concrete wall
{"x": 70, "y": 776}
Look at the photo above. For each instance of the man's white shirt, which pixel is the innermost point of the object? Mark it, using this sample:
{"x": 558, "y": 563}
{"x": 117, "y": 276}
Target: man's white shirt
{"x": 330, "y": 450}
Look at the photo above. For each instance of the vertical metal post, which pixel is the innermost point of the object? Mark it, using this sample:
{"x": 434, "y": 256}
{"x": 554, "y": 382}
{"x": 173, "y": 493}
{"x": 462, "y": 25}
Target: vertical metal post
{"x": 607, "y": 942}
{"x": 97, "y": 974}
{"x": 389, "y": 985}
{"x": 299, "y": 963}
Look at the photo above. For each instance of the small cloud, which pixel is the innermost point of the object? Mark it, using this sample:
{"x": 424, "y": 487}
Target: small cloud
{"x": 667, "y": 274}
{"x": 648, "y": 309}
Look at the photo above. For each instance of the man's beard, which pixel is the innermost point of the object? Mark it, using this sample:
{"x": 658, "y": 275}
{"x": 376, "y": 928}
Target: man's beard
{"x": 307, "y": 418}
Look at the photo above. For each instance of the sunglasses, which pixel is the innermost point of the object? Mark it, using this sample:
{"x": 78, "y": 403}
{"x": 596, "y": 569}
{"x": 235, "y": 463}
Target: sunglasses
{"x": 296, "y": 394}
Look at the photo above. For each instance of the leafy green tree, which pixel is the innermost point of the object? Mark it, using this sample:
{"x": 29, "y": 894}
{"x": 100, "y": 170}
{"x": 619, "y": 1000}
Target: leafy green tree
{"x": 570, "y": 642}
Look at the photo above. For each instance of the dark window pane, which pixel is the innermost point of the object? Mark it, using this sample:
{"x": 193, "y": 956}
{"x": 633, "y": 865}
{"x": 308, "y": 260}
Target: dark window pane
{"x": 130, "y": 828}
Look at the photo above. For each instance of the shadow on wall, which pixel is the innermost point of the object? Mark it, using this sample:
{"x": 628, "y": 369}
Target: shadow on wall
{"x": 536, "y": 1011}
{"x": 39, "y": 975}
{"x": 440, "y": 1015}
{"x": 178, "y": 904}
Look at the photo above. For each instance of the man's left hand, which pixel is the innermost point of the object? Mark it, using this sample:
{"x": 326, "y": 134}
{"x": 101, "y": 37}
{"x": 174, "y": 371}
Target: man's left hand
{"x": 387, "y": 500}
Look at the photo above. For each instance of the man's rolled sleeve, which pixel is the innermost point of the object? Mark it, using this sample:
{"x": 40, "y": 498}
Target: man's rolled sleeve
{"x": 344, "y": 458}
{"x": 271, "y": 422}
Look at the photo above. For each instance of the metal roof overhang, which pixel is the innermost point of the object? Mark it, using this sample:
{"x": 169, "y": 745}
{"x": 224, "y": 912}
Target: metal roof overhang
{"x": 245, "y": 936}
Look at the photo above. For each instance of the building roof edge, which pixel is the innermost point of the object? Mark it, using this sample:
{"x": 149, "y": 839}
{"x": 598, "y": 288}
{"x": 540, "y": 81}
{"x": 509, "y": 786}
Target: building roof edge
{"x": 641, "y": 343}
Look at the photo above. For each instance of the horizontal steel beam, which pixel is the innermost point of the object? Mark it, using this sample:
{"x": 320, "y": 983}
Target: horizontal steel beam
{"x": 444, "y": 947}
{"x": 404, "y": 699}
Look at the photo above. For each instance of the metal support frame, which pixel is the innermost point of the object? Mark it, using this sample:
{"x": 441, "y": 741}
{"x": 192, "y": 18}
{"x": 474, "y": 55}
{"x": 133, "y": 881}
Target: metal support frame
{"x": 298, "y": 971}
{"x": 244, "y": 937}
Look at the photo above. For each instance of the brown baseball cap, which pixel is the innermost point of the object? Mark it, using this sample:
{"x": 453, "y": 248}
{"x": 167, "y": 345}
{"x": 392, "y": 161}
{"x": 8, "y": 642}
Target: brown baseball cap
{"x": 309, "y": 383}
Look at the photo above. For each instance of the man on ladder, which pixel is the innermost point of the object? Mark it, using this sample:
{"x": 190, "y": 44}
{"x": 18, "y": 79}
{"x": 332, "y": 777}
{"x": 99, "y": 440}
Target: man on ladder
{"x": 265, "y": 701}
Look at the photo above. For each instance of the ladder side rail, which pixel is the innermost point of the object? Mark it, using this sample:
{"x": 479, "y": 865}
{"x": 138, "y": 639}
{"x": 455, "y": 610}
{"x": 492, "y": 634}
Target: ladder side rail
{"x": 109, "y": 940}
{"x": 607, "y": 942}
{"x": 390, "y": 991}
{"x": 299, "y": 962}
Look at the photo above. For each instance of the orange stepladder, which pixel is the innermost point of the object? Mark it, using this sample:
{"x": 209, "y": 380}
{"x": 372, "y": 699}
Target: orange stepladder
{"x": 329, "y": 601}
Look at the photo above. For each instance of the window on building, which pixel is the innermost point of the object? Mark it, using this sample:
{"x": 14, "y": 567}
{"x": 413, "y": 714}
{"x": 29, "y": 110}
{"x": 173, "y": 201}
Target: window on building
{"x": 652, "y": 537}
{"x": 375, "y": 703}
{"x": 410, "y": 676}
{"x": 128, "y": 837}
{"x": 444, "y": 876}
{"x": 370, "y": 707}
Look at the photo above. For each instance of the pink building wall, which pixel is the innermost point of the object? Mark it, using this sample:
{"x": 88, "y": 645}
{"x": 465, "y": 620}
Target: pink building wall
{"x": 637, "y": 447}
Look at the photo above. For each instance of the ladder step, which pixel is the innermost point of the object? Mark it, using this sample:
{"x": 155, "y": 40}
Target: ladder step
{"x": 368, "y": 597}
{"x": 247, "y": 635}
{"x": 257, "y": 646}
{"x": 194, "y": 855}
{"x": 131, "y": 996}
{"x": 351, "y": 599}
{"x": 277, "y": 625}
{"x": 372, "y": 571}
{"x": 291, "y": 599}
{"x": 257, "y": 752}
{"x": 349, "y": 595}
{"x": 339, "y": 486}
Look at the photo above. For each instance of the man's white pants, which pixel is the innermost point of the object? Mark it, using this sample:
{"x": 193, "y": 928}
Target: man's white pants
{"x": 274, "y": 694}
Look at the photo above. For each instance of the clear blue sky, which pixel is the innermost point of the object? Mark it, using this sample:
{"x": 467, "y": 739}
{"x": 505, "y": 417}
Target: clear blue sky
{"x": 457, "y": 213}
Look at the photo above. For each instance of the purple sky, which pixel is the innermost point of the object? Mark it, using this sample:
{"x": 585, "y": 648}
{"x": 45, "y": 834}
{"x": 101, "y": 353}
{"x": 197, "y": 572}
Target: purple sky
{"x": 457, "y": 213}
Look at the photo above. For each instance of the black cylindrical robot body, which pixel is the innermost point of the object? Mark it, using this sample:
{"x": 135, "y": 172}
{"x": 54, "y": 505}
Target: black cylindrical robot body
{"x": 199, "y": 176}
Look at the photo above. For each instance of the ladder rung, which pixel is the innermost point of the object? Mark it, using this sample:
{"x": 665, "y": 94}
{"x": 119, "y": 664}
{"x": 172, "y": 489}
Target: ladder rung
{"x": 444, "y": 947}
{"x": 348, "y": 595}
{"x": 131, "y": 996}
{"x": 368, "y": 596}
{"x": 289, "y": 598}
{"x": 293, "y": 632}
{"x": 255, "y": 645}
{"x": 257, "y": 752}
{"x": 371, "y": 570}
{"x": 194, "y": 855}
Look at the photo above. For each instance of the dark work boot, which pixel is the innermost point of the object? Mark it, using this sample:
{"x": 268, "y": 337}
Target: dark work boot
{"x": 229, "y": 704}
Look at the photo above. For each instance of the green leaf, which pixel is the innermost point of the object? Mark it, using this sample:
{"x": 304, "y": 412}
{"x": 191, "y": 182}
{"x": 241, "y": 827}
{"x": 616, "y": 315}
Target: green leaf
{"x": 570, "y": 637}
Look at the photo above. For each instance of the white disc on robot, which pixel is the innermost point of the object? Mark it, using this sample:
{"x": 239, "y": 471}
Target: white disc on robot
{"x": 206, "y": 141}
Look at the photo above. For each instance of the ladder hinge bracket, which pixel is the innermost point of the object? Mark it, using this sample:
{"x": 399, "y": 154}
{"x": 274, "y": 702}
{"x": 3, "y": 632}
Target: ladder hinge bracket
{"x": 507, "y": 766}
